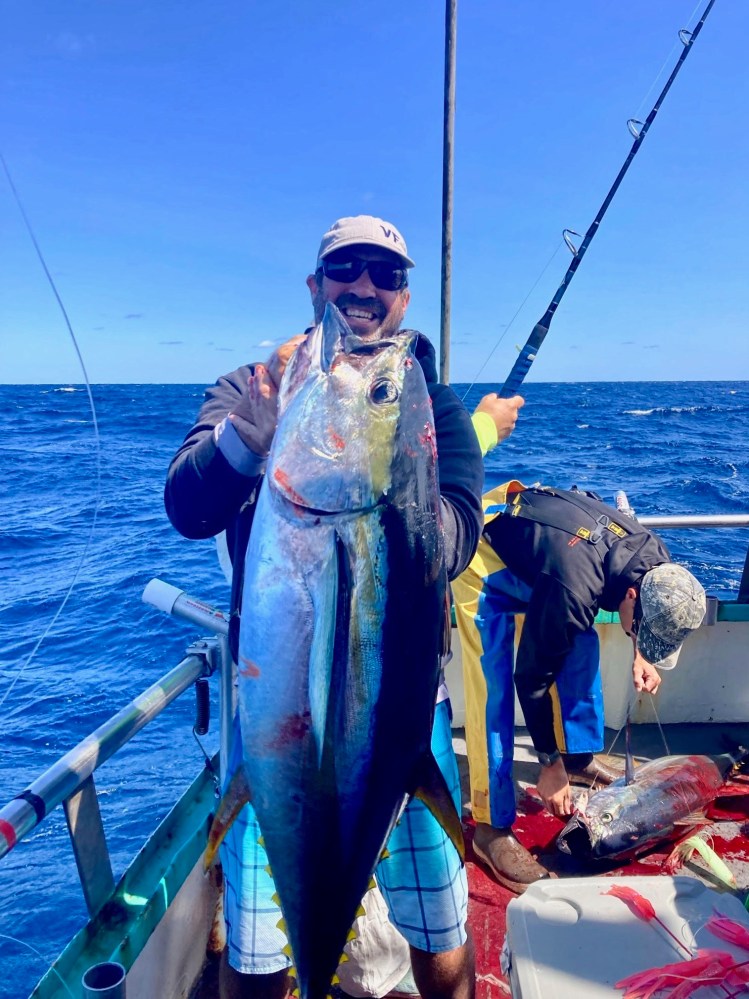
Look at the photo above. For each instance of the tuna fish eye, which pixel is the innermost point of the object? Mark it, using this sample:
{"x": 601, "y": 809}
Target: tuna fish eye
{"x": 607, "y": 817}
{"x": 383, "y": 391}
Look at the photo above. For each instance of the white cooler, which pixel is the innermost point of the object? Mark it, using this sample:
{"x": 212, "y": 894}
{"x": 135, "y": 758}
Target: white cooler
{"x": 568, "y": 940}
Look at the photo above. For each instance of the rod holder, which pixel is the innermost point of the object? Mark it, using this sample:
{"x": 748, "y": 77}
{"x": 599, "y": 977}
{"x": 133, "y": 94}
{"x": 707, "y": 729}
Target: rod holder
{"x": 711, "y": 610}
{"x": 104, "y": 981}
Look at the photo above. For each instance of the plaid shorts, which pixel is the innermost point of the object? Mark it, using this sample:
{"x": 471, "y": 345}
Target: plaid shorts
{"x": 423, "y": 881}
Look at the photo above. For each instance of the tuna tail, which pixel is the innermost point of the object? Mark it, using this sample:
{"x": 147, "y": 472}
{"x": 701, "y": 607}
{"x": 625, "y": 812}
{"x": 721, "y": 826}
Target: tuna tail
{"x": 236, "y": 796}
{"x": 727, "y": 761}
{"x": 431, "y": 789}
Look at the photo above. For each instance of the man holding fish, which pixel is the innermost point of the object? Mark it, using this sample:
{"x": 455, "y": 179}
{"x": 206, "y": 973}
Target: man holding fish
{"x": 355, "y": 531}
{"x": 558, "y": 556}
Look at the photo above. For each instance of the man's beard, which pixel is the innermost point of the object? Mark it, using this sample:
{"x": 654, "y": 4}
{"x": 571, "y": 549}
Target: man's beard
{"x": 390, "y": 321}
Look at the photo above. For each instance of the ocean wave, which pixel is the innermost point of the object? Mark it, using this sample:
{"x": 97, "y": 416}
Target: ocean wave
{"x": 107, "y": 645}
{"x": 710, "y": 408}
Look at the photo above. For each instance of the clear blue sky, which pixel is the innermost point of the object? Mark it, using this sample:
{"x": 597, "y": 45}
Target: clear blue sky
{"x": 179, "y": 162}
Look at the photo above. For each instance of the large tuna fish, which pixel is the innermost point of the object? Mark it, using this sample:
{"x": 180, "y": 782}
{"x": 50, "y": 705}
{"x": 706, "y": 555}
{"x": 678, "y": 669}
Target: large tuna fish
{"x": 342, "y": 621}
{"x": 622, "y": 820}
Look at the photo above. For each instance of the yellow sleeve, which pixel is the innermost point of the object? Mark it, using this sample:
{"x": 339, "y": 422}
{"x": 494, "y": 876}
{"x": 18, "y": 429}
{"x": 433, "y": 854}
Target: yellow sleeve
{"x": 486, "y": 431}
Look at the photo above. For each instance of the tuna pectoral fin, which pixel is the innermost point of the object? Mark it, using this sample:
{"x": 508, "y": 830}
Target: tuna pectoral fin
{"x": 431, "y": 788}
{"x": 235, "y": 797}
{"x": 697, "y": 818}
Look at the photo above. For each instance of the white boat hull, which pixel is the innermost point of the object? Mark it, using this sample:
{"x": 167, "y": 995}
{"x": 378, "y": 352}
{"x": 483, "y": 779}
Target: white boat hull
{"x": 708, "y": 685}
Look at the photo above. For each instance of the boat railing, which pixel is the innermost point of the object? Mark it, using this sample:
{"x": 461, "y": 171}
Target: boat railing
{"x": 696, "y": 520}
{"x": 707, "y": 520}
{"x": 70, "y": 780}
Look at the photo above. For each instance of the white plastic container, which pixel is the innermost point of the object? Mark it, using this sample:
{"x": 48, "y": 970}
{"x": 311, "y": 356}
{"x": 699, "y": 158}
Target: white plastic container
{"x": 566, "y": 939}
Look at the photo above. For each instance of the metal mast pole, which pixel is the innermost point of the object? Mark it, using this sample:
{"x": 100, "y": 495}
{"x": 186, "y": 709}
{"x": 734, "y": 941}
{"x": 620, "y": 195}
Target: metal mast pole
{"x": 451, "y": 22}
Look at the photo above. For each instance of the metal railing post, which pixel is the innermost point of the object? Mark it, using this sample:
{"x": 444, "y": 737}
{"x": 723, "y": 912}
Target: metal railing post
{"x": 89, "y": 845}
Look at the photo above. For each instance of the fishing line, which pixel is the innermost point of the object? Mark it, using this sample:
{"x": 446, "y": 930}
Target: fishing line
{"x": 97, "y": 438}
{"x": 660, "y": 727}
{"x": 507, "y": 327}
{"x": 42, "y": 958}
{"x": 631, "y": 700}
{"x": 666, "y": 62}
{"x": 630, "y": 704}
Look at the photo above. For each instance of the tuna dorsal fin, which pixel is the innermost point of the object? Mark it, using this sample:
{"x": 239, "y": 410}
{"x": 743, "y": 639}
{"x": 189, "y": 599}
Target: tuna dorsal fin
{"x": 629, "y": 761}
{"x": 431, "y": 789}
{"x": 235, "y": 797}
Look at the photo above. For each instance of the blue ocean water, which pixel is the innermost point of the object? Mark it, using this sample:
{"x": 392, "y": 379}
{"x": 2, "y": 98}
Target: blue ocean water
{"x": 674, "y": 447}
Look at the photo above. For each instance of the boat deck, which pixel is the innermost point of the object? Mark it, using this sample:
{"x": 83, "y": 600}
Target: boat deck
{"x": 537, "y": 830}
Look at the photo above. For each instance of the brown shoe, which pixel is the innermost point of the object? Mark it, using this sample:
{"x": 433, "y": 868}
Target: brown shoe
{"x": 507, "y": 859}
{"x": 586, "y": 769}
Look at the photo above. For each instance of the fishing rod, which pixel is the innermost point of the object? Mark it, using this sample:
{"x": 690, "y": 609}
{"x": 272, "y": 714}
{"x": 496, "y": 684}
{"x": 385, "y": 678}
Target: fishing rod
{"x": 639, "y": 130}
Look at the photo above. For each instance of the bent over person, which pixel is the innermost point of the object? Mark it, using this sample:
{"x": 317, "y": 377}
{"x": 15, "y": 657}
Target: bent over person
{"x": 558, "y": 556}
{"x": 362, "y": 267}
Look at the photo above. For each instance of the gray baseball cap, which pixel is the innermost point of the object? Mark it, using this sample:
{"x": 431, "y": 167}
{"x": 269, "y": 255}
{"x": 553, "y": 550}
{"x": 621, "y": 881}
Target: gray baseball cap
{"x": 364, "y": 230}
{"x": 673, "y": 605}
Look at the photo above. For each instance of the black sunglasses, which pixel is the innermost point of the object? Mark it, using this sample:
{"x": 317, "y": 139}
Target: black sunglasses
{"x": 347, "y": 269}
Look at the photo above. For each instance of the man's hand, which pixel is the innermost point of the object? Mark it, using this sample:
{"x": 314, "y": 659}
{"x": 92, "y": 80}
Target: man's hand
{"x": 554, "y": 790}
{"x": 504, "y": 412}
{"x": 644, "y": 675}
{"x": 281, "y": 357}
{"x": 255, "y": 415}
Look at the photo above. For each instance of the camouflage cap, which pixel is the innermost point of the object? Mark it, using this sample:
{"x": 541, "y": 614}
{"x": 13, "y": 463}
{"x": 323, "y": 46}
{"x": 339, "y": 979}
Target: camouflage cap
{"x": 673, "y": 604}
{"x": 364, "y": 230}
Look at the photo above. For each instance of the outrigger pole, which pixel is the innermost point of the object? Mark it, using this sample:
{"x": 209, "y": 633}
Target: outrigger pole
{"x": 451, "y": 22}
{"x": 639, "y": 130}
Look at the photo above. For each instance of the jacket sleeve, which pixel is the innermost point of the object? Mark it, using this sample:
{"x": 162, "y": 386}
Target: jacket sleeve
{"x": 461, "y": 478}
{"x": 204, "y": 490}
{"x": 554, "y": 618}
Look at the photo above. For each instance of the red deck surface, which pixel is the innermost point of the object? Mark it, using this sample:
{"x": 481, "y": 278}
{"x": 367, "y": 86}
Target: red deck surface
{"x": 537, "y": 831}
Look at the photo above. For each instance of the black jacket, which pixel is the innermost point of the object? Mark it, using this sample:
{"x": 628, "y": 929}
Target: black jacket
{"x": 546, "y": 545}
{"x": 205, "y": 495}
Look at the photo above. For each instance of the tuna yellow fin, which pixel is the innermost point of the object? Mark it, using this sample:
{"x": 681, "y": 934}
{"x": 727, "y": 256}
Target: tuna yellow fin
{"x": 351, "y": 935}
{"x": 385, "y": 854}
{"x": 281, "y": 925}
{"x": 430, "y": 787}
{"x": 261, "y": 842}
{"x": 361, "y": 911}
{"x": 372, "y": 883}
{"x": 274, "y": 898}
{"x": 335, "y": 980}
{"x": 286, "y": 949}
{"x": 236, "y": 796}
{"x": 343, "y": 958}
